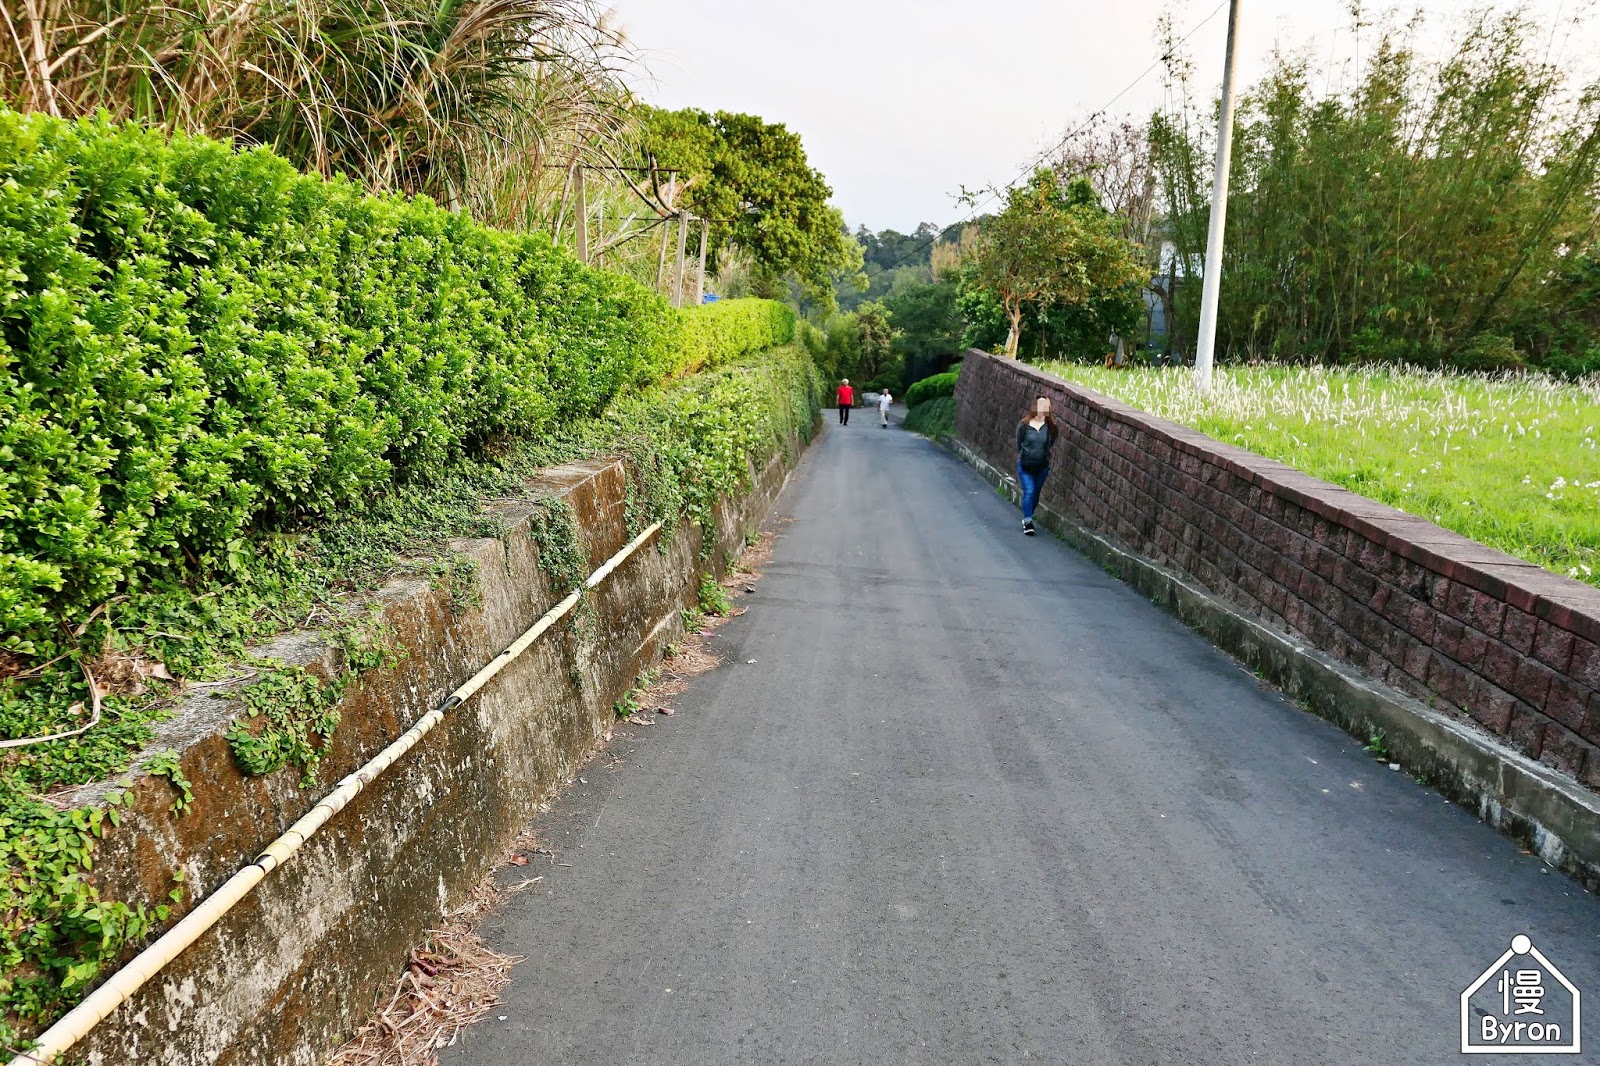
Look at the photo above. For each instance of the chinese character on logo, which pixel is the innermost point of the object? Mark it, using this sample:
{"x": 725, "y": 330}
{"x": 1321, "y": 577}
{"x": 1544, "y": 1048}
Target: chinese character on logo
{"x": 1527, "y": 991}
{"x": 1536, "y": 1011}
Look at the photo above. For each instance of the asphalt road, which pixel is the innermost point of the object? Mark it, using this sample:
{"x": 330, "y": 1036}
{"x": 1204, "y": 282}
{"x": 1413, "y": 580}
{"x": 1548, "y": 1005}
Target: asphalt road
{"x": 976, "y": 801}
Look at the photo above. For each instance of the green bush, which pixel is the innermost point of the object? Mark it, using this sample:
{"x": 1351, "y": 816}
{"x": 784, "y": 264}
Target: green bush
{"x": 931, "y": 389}
{"x": 687, "y": 443}
{"x": 199, "y": 346}
{"x": 935, "y": 418}
{"x": 718, "y": 333}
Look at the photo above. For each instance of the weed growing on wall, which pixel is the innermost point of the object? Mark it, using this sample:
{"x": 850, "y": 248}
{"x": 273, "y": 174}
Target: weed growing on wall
{"x": 713, "y": 598}
{"x": 553, "y": 528}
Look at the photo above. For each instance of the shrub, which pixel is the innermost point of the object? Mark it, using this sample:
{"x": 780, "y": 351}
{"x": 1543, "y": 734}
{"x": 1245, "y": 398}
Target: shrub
{"x": 718, "y": 333}
{"x": 687, "y": 442}
{"x": 931, "y": 389}
{"x": 199, "y": 345}
{"x": 935, "y": 418}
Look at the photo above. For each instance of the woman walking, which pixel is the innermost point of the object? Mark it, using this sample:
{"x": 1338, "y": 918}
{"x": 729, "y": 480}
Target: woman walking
{"x": 1036, "y": 433}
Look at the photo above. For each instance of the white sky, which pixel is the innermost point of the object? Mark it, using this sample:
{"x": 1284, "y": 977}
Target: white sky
{"x": 902, "y": 102}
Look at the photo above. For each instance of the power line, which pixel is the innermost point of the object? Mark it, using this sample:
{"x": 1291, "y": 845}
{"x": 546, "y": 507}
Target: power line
{"x": 1060, "y": 144}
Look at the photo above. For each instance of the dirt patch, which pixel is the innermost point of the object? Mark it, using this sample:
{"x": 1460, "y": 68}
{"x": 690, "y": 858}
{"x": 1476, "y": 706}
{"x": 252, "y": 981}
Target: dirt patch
{"x": 454, "y": 979}
{"x": 754, "y": 558}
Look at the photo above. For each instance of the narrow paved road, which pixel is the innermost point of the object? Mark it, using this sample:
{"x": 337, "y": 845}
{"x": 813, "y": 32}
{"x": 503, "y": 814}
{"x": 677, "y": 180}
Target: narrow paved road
{"x": 975, "y": 801}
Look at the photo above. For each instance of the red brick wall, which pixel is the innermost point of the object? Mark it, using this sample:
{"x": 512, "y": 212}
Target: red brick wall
{"x": 1429, "y": 612}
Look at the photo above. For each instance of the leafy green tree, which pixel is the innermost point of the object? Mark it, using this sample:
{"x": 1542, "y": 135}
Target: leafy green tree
{"x": 1052, "y": 246}
{"x": 928, "y": 326}
{"x": 752, "y": 180}
{"x": 1434, "y": 213}
{"x": 876, "y": 358}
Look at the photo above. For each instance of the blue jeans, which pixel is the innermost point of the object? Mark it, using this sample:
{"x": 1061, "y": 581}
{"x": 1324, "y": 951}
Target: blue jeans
{"x": 1032, "y": 483}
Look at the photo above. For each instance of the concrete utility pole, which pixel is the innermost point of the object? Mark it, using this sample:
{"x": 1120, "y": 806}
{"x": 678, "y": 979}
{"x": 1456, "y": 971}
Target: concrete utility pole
{"x": 582, "y": 235}
{"x": 700, "y": 274}
{"x": 683, "y": 241}
{"x": 1212, "y": 282}
{"x": 666, "y": 235}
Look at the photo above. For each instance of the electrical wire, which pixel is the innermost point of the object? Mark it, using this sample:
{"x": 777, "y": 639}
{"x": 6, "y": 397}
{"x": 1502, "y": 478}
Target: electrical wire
{"x": 1040, "y": 157}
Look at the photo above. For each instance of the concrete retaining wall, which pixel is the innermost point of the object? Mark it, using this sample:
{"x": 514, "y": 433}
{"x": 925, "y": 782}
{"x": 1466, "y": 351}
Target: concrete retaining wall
{"x": 1446, "y": 620}
{"x": 294, "y": 969}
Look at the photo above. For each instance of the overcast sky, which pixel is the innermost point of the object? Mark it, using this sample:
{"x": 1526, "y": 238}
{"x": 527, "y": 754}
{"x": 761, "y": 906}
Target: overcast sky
{"x": 902, "y": 102}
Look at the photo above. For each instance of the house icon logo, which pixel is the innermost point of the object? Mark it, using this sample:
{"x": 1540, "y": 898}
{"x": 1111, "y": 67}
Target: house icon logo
{"x": 1521, "y": 1005}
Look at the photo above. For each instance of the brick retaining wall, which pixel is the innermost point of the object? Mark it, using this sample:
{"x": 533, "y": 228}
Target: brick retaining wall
{"x": 1425, "y": 610}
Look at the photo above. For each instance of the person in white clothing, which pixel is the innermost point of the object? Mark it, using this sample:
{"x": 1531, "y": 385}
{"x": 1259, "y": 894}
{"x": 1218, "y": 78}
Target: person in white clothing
{"x": 884, "y": 400}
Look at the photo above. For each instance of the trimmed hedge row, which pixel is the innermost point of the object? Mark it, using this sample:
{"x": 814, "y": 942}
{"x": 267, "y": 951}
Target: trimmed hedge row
{"x": 197, "y": 344}
{"x": 717, "y": 333}
{"x": 932, "y": 388}
{"x": 688, "y": 442}
{"x": 935, "y": 418}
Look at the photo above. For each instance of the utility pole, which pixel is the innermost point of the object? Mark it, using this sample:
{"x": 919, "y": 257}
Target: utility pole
{"x": 582, "y": 236}
{"x": 700, "y": 275}
{"x": 1212, "y": 281}
{"x": 666, "y": 235}
{"x": 683, "y": 241}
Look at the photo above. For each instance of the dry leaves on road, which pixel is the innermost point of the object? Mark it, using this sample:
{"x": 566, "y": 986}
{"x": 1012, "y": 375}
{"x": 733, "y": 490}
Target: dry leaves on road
{"x": 455, "y": 979}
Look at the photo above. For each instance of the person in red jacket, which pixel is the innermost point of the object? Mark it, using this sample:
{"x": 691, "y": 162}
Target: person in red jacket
{"x": 847, "y": 399}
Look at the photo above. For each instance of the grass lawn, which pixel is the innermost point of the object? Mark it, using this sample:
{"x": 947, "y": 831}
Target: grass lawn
{"x": 1510, "y": 462}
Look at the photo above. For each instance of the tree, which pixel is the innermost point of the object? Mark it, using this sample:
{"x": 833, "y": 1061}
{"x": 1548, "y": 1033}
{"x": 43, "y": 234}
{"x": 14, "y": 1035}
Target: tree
{"x": 1051, "y": 246}
{"x": 752, "y": 180}
{"x": 1433, "y": 212}
{"x": 875, "y": 343}
{"x": 928, "y": 326}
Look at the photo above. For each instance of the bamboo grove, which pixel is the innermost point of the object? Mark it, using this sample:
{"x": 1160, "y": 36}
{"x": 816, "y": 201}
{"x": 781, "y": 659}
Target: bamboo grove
{"x": 1434, "y": 213}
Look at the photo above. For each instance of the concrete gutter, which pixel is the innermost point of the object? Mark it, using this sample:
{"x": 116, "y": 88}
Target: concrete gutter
{"x": 1550, "y": 813}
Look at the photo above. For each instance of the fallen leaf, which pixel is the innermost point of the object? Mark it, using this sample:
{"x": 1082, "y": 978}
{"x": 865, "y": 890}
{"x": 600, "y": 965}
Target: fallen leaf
{"x": 668, "y": 711}
{"x": 519, "y": 860}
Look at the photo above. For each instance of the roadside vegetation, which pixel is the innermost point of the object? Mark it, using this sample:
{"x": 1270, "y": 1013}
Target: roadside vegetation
{"x": 1508, "y": 460}
{"x": 287, "y": 291}
{"x": 935, "y": 418}
{"x": 687, "y": 442}
{"x": 1434, "y": 205}
{"x": 931, "y": 406}
{"x": 1433, "y": 212}
{"x": 234, "y": 399}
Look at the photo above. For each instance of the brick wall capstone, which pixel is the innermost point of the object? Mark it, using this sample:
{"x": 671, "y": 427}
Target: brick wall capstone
{"x": 1427, "y": 611}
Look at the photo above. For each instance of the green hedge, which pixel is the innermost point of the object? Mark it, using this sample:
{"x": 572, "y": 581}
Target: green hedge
{"x": 718, "y": 333}
{"x": 932, "y": 388}
{"x": 198, "y": 345}
{"x": 935, "y": 418}
{"x": 687, "y": 442}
